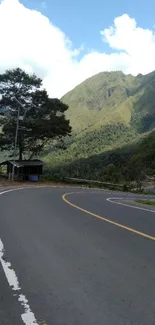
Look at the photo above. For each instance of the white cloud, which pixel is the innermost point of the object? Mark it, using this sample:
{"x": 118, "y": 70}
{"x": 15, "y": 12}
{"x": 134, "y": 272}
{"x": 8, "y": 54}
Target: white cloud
{"x": 29, "y": 40}
{"x": 136, "y": 42}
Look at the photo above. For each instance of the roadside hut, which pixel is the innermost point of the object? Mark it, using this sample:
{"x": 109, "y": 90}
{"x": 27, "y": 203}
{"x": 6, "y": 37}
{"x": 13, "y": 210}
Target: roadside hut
{"x": 29, "y": 170}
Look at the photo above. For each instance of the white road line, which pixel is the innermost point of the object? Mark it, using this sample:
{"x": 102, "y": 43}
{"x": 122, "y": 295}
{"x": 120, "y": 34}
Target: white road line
{"x": 112, "y": 200}
{"x": 27, "y": 316}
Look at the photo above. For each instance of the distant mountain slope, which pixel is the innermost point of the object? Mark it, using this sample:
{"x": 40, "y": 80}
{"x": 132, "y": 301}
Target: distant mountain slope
{"x": 107, "y": 112}
{"x": 111, "y": 98}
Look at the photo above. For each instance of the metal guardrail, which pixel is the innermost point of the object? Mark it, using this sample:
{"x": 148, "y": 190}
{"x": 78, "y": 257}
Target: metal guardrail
{"x": 88, "y": 181}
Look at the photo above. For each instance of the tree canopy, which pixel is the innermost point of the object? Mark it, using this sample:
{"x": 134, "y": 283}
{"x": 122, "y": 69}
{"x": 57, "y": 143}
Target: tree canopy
{"x": 41, "y": 118}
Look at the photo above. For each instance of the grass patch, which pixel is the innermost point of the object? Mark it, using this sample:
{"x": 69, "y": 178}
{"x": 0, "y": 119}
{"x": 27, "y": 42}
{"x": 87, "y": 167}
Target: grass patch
{"x": 149, "y": 202}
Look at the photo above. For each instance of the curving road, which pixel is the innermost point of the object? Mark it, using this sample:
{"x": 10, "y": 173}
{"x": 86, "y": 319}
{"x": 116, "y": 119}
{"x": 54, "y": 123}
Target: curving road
{"x": 75, "y": 259}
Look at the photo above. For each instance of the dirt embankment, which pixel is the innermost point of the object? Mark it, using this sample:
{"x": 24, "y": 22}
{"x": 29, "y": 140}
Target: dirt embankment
{"x": 4, "y": 183}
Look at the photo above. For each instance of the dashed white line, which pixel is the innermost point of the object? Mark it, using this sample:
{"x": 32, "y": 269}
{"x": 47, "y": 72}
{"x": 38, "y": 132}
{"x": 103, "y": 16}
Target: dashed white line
{"x": 27, "y": 316}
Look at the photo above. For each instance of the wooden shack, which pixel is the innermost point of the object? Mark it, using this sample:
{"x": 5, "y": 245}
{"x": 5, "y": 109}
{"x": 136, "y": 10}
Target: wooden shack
{"x": 29, "y": 170}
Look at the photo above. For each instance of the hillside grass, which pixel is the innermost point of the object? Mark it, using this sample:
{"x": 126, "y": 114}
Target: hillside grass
{"x": 148, "y": 202}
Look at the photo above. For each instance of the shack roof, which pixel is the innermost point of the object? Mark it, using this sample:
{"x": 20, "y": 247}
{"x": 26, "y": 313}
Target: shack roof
{"x": 23, "y": 163}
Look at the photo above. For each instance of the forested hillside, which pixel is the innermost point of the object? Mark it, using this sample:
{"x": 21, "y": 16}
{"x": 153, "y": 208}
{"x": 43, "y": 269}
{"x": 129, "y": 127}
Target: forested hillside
{"x": 110, "y": 115}
{"x": 123, "y": 165}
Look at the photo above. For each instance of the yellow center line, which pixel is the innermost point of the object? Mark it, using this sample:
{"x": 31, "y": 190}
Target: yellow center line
{"x": 105, "y": 219}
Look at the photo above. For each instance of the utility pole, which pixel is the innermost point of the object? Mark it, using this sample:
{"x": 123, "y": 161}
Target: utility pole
{"x": 16, "y": 135}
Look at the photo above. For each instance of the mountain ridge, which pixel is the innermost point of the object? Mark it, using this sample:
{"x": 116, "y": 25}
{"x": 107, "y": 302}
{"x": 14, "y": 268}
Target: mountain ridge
{"x": 108, "y": 98}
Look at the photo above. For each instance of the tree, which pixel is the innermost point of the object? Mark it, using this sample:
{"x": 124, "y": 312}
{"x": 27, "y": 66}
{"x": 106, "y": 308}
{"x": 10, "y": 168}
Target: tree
{"x": 43, "y": 118}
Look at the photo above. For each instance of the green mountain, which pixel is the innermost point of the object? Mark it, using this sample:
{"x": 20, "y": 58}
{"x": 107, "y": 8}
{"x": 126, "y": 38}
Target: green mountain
{"x": 108, "y": 111}
{"x": 110, "y": 98}
{"x": 98, "y": 101}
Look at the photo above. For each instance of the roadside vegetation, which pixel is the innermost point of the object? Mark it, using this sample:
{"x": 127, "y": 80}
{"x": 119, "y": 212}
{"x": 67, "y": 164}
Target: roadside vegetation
{"x": 148, "y": 202}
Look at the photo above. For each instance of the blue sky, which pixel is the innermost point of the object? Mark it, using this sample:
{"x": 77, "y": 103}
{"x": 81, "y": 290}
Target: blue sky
{"x": 38, "y": 46}
{"x": 82, "y": 20}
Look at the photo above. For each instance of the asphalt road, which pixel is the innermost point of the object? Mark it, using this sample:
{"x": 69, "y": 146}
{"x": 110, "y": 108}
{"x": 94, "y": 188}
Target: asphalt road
{"x": 85, "y": 262}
